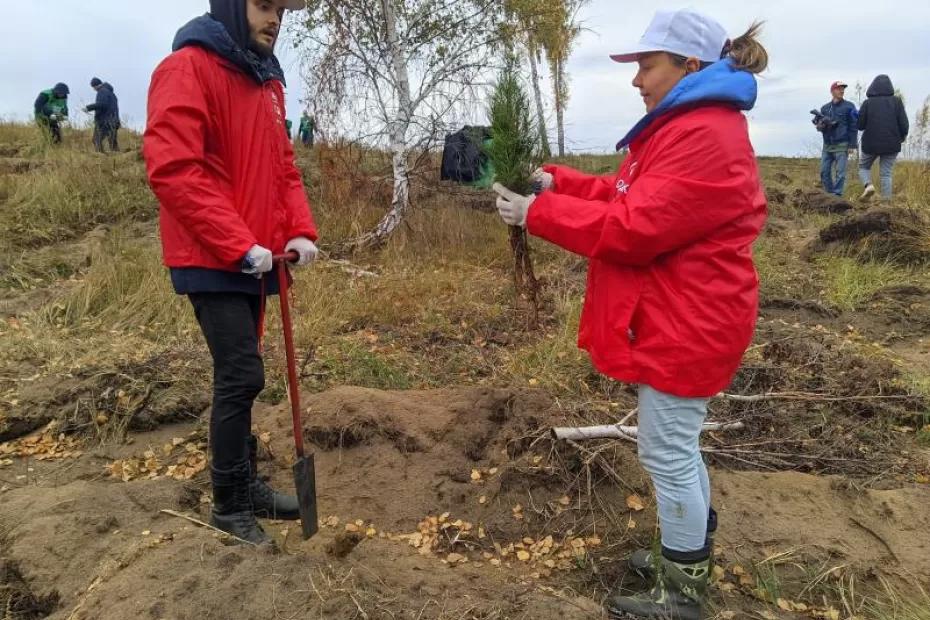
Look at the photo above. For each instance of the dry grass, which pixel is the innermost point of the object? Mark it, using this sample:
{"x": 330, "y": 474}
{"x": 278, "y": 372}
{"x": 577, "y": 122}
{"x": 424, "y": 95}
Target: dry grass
{"x": 849, "y": 282}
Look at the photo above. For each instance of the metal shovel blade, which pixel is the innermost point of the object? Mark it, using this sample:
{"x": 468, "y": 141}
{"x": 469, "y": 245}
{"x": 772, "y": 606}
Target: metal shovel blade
{"x": 305, "y": 483}
{"x": 304, "y": 470}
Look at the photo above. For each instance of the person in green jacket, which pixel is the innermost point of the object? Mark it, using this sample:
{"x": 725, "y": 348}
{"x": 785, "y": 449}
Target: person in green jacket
{"x": 51, "y": 108}
{"x": 305, "y": 131}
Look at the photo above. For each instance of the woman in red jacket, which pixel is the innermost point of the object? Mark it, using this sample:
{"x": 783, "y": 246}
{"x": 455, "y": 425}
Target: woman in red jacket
{"x": 672, "y": 292}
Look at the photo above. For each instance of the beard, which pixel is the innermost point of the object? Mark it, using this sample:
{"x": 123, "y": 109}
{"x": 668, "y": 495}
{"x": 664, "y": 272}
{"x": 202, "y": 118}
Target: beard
{"x": 264, "y": 51}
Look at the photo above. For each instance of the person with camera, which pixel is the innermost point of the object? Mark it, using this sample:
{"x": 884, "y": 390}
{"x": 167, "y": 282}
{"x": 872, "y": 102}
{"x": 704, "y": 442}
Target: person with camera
{"x": 884, "y": 125}
{"x": 838, "y": 122}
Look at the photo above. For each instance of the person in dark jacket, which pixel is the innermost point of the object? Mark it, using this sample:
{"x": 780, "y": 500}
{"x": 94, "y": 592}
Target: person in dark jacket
{"x": 884, "y": 124}
{"x": 51, "y": 108}
{"x": 840, "y": 139}
{"x": 106, "y": 115}
{"x": 231, "y": 198}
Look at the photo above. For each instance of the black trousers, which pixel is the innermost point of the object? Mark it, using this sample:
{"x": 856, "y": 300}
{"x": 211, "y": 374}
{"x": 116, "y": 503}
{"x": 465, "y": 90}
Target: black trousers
{"x": 105, "y": 131}
{"x": 51, "y": 128}
{"x": 229, "y": 322}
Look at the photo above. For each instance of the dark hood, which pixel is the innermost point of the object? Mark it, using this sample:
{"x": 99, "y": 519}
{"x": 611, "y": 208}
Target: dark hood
{"x": 881, "y": 87}
{"x": 208, "y": 32}
{"x": 61, "y": 90}
{"x": 233, "y": 15}
{"x": 107, "y": 86}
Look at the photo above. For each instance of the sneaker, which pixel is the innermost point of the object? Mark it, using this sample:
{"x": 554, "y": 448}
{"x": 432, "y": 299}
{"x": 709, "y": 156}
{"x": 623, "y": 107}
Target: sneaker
{"x": 869, "y": 192}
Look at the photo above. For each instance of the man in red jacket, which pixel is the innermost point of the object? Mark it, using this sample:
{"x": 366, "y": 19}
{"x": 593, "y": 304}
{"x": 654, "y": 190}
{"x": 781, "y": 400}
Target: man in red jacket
{"x": 220, "y": 163}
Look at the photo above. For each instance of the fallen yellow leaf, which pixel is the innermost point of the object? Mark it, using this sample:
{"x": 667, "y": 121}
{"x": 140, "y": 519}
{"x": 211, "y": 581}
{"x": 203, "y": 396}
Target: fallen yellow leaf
{"x": 635, "y": 502}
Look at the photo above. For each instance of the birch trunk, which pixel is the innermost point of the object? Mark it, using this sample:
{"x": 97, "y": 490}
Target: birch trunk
{"x": 400, "y": 201}
{"x": 540, "y": 113}
{"x": 558, "y": 73}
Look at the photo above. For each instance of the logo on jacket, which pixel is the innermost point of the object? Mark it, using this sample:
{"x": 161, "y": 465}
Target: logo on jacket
{"x": 622, "y": 186}
{"x": 279, "y": 112}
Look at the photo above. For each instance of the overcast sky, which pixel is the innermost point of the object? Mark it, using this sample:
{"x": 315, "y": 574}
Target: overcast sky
{"x": 811, "y": 44}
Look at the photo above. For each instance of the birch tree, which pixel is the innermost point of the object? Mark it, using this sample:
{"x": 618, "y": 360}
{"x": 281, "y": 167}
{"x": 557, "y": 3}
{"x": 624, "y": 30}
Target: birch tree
{"x": 395, "y": 73}
{"x": 558, "y": 34}
{"x": 527, "y": 18}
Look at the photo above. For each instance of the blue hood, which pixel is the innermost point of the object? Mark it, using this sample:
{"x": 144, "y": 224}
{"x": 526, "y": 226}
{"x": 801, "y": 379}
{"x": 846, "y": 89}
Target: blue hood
{"x": 719, "y": 83}
{"x": 210, "y": 34}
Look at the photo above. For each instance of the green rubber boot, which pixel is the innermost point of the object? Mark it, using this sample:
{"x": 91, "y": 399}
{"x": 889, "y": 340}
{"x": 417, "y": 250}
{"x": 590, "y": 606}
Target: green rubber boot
{"x": 679, "y": 594}
{"x": 643, "y": 561}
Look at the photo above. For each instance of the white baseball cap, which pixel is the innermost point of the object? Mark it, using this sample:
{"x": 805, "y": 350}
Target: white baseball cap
{"x": 685, "y": 33}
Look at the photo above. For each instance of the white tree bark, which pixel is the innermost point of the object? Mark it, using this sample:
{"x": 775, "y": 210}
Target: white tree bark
{"x": 559, "y": 75}
{"x": 617, "y": 431}
{"x": 540, "y": 113}
{"x": 400, "y": 201}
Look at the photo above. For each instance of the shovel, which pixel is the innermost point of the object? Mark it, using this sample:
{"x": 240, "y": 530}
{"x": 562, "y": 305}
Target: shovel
{"x": 304, "y": 473}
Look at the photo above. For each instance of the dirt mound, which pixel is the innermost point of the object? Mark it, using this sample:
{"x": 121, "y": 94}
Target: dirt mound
{"x": 823, "y": 522}
{"x": 17, "y": 599}
{"x": 883, "y": 233}
{"x": 475, "y": 453}
{"x": 18, "y": 165}
{"x": 442, "y": 482}
{"x": 815, "y": 201}
{"x": 903, "y": 309}
{"x": 108, "y": 402}
{"x": 12, "y": 150}
{"x": 821, "y": 407}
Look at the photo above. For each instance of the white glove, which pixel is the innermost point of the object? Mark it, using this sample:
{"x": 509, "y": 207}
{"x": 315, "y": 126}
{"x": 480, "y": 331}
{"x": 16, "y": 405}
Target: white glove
{"x": 257, "y": 261}
{"x": 542, "y": 181}
{"x": 53, "y": 117}
{"x": 306, "y": 250}
{"x": 512, "y": 206}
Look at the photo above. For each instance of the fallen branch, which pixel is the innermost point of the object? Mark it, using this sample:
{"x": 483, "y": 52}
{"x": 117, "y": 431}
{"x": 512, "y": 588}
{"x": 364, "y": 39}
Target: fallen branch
{"x": 618, "y": 431}
{"x": 206, "y": 525}
{"x": 349, "y": 268}
{"x": 804, "y": 396}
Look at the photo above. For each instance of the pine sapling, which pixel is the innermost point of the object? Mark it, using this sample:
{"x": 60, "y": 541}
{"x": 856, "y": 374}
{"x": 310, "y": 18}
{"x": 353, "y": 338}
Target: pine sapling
{"x": 514, "y": 153}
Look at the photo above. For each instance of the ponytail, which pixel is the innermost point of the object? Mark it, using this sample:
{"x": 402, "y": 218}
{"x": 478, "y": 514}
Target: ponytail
{"x": 747, "y": 52}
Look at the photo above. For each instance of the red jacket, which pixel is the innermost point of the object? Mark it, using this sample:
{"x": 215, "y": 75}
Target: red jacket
{"x": 672, "y": 292}
{"x": 220, "y": 163}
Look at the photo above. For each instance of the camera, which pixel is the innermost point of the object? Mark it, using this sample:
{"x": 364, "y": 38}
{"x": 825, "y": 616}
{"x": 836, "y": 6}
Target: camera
{"x": 822, "y": 123}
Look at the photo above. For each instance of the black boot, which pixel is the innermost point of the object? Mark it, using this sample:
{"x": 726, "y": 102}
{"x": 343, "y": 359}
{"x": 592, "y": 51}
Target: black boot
{"x": 266, "y": 502}
{"x": 643, "y": 561}
{"x": 232, "y": 506}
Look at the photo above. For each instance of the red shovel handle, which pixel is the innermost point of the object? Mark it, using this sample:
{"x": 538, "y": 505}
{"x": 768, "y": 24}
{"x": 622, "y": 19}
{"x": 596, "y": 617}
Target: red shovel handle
{"x": 293, "y": 386}
{"x": 287, "y": 257}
